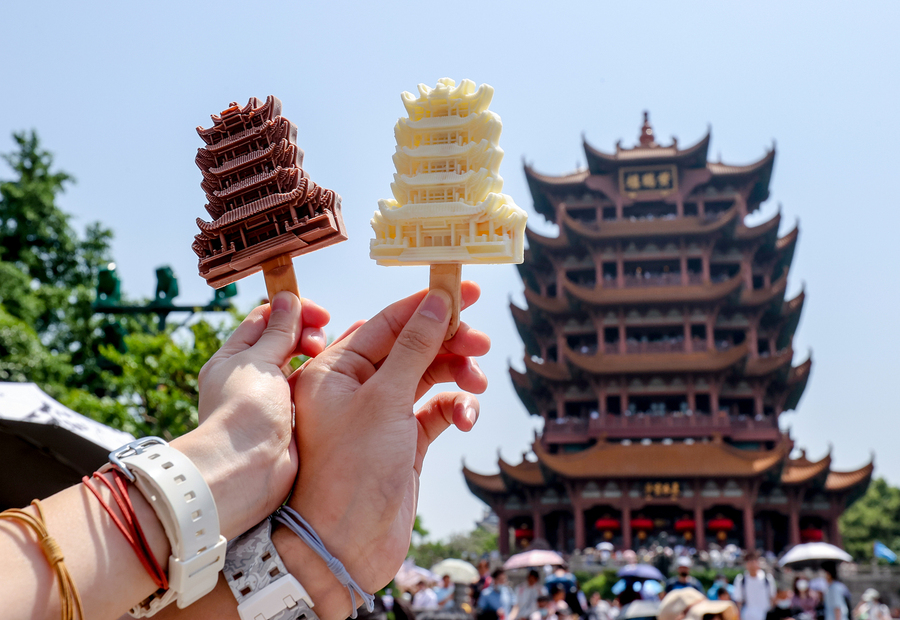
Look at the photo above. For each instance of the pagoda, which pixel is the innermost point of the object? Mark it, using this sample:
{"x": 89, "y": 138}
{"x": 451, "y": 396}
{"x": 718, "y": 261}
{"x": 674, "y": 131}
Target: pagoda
{"x": 261, "y": 200}
{"x": 447, "y": 206}
{"x": 658, "y": 351}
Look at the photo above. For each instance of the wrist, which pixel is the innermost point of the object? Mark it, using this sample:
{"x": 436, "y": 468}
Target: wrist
{"x": 234, "y": 478}
{"x": 331, "y": 600}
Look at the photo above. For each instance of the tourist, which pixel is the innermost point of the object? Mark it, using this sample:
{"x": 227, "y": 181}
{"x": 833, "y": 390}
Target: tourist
{"x": 424, "y": 598}
{"x": 683, "y": 579}
{"x": 871, "y": 608}
{"x": 691, "y": 604}
{"x": 527, "y": 595}
{"x": 496, "y": 601}
{"x": 754, "y": 589}
{"x": 445, "y": 593}
{"x": 484, "y": 579}
{"x": 836, "y": 594}
{"x": 720, "y": 582}
{"x": 804, "y": 601}
{"x": 543, "y": 609}
{"x": 349, "y": 402}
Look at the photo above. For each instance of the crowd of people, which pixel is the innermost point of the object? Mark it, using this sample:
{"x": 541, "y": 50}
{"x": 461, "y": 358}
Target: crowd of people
{"x": 754, "y": 593}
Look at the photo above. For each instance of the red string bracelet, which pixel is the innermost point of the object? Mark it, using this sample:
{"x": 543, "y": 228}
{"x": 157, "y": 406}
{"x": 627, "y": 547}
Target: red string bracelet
{"x": 131, "y": 527}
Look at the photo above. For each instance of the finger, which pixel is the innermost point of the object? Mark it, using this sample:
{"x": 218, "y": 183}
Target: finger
{"x": 282, "y": 333}
{"x": 375, "y": 339}
{"x": 464, "y": 371}
{"x": 468, "y": 342}
{"x": 312, "y": 342}
{"x": 314, "y": 315}
{"x": 438, "y": 414}
{"x": 417, "y": 343}
{"x": 246, "y": 334}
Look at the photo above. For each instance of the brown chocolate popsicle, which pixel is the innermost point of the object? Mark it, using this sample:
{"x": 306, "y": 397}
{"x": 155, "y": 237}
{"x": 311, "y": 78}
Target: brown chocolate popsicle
{"x": 265, "y": 209}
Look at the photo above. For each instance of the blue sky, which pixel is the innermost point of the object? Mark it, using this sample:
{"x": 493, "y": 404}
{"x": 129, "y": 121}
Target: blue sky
{"x": 116, "y": 89}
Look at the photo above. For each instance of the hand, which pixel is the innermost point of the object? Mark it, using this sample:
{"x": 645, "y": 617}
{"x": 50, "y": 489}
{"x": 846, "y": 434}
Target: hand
{"x": 360, "y": 443}
{"x": 245, "y": 404}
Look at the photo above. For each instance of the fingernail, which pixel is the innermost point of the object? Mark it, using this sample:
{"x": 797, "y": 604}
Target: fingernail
{"x": 475, "y": 367}
{"x": 435, "y": 305}
{"x": 281, "y": 303}
{"x": 318, "y": 336}
{"x": 471, "y": 415}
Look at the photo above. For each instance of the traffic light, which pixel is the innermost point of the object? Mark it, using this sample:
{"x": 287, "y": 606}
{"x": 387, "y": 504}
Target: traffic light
{"x": 166, "y": 285}
{"x": 108, "y": 286}
{"x": 222, "y": 295}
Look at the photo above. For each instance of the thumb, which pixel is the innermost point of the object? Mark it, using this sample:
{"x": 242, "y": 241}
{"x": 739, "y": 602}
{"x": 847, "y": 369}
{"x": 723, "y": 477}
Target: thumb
{"x": 282, "y": 333}
{"x": 418, "y": 343}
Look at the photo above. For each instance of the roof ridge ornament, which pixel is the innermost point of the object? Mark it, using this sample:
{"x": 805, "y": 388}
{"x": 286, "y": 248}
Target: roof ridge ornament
{"x": 646, "y": 139}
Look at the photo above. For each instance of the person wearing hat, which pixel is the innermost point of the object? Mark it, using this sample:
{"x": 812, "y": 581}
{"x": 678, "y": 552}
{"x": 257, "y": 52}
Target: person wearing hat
{"x": 691, "y": 604}
{"x": 683, "y": 579}
{"x": 870, "y": 607}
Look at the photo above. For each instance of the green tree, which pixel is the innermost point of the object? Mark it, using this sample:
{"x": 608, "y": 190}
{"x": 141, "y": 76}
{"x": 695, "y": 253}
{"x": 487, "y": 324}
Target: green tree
{"x": 47, "y": 274}
{"x": 468, "y": 546}
{"x": 875, "y": 516}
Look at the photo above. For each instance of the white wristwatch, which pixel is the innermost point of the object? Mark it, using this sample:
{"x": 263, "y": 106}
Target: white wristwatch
{"x": 263, "y": 587}
{"x": 175, "y": 488}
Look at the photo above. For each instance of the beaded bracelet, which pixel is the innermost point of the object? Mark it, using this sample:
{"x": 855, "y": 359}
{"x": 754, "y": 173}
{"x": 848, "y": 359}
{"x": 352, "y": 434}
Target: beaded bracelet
{"x": 70, "y": 600}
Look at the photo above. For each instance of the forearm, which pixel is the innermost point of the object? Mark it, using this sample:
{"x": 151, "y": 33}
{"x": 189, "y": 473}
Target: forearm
{"x": 105, "y": 569}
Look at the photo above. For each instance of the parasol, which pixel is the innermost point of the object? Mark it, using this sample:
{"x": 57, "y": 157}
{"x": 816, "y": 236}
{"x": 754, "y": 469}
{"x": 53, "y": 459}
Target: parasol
{"x": 460, "y": 571}
{"x": 813, "y": 554}
{"x": 535, "y": 557}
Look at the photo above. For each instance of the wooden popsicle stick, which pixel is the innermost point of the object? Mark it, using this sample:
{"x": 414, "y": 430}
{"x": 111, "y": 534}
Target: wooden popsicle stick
{"x": 448, "y": 276}
{"x": 280, "y": 276}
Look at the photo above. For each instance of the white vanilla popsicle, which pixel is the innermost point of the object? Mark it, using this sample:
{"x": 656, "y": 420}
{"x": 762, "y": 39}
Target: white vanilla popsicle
{"x": 447, "y": 208}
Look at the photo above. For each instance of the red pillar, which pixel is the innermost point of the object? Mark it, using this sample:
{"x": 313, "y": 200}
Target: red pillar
{"x": 538, "y": 522}
{"x": 749, "y": 528}
{"x": 626, "y": 527}
{"x": 794, "y": 519}
{"x": 503, "y": 533}
{"x": 699, "y": 528}
{"x": 579, "y": 526}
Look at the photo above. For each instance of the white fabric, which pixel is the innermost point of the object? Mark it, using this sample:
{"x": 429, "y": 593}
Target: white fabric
{"x": 526, "y": 599}
{"x": 425, "y": 599}
{"x": 26, "y": 402}
{"x": 756, "y": 594}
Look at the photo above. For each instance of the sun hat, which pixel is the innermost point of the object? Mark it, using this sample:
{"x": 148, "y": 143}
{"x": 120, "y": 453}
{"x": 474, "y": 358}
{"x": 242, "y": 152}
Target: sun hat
{"x": 689, "y": 604}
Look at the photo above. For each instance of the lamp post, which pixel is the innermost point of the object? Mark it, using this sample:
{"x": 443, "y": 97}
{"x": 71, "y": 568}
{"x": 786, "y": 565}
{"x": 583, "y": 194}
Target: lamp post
{"x": 109, "y": 296}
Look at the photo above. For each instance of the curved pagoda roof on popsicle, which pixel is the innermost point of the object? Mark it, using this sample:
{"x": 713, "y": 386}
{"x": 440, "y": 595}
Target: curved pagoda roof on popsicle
{"x": 676, "y": 460}
{"x": 602, "y": 364}
{"x": 434, "y": 102}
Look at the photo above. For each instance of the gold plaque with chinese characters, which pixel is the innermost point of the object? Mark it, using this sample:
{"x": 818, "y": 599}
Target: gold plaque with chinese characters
{"x": 660, "y": 181}
{"x": 668, "y": 490}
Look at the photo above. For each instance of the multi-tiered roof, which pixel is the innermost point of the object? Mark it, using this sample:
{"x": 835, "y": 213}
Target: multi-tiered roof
{"x": 447, "y": 205}
{"x": 658, "y": 339}
{"x": 262, "y": 203}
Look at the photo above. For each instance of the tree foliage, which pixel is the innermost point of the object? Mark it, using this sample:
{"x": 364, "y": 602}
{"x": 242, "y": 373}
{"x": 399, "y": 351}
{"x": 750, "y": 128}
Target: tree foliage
{"x": 47, "y": 274}
{"x": 120, "y": 372}
{"x": 469, "y": 546}
{"x": 875, "y": 516}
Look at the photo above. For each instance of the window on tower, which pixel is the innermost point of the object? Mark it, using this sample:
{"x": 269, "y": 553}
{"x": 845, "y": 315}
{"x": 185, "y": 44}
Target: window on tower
{"x": 690, "y": 209}
{"x": 614, "y": 405}
{"x": 609, "y": 213}
{"x": 650, "y": 211}
{"x": 586, "y": 215}
{"x": 586, "y": 344}
{"x": 583, "y": 277}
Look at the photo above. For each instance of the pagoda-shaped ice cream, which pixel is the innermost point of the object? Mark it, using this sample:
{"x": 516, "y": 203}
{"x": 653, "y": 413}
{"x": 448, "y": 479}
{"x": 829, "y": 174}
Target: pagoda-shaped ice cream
{"x": 447, "y": 206}
{"x": 265, "y": 209}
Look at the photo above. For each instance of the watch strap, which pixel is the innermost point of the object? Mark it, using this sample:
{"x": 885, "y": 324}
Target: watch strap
{"x": 184, "y": 503}
{"x": 263, "y": 587}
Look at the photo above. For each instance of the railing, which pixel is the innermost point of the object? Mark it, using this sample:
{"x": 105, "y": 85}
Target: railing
{"x": 656, "y": 346}
{"x": 657, "y": 421}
